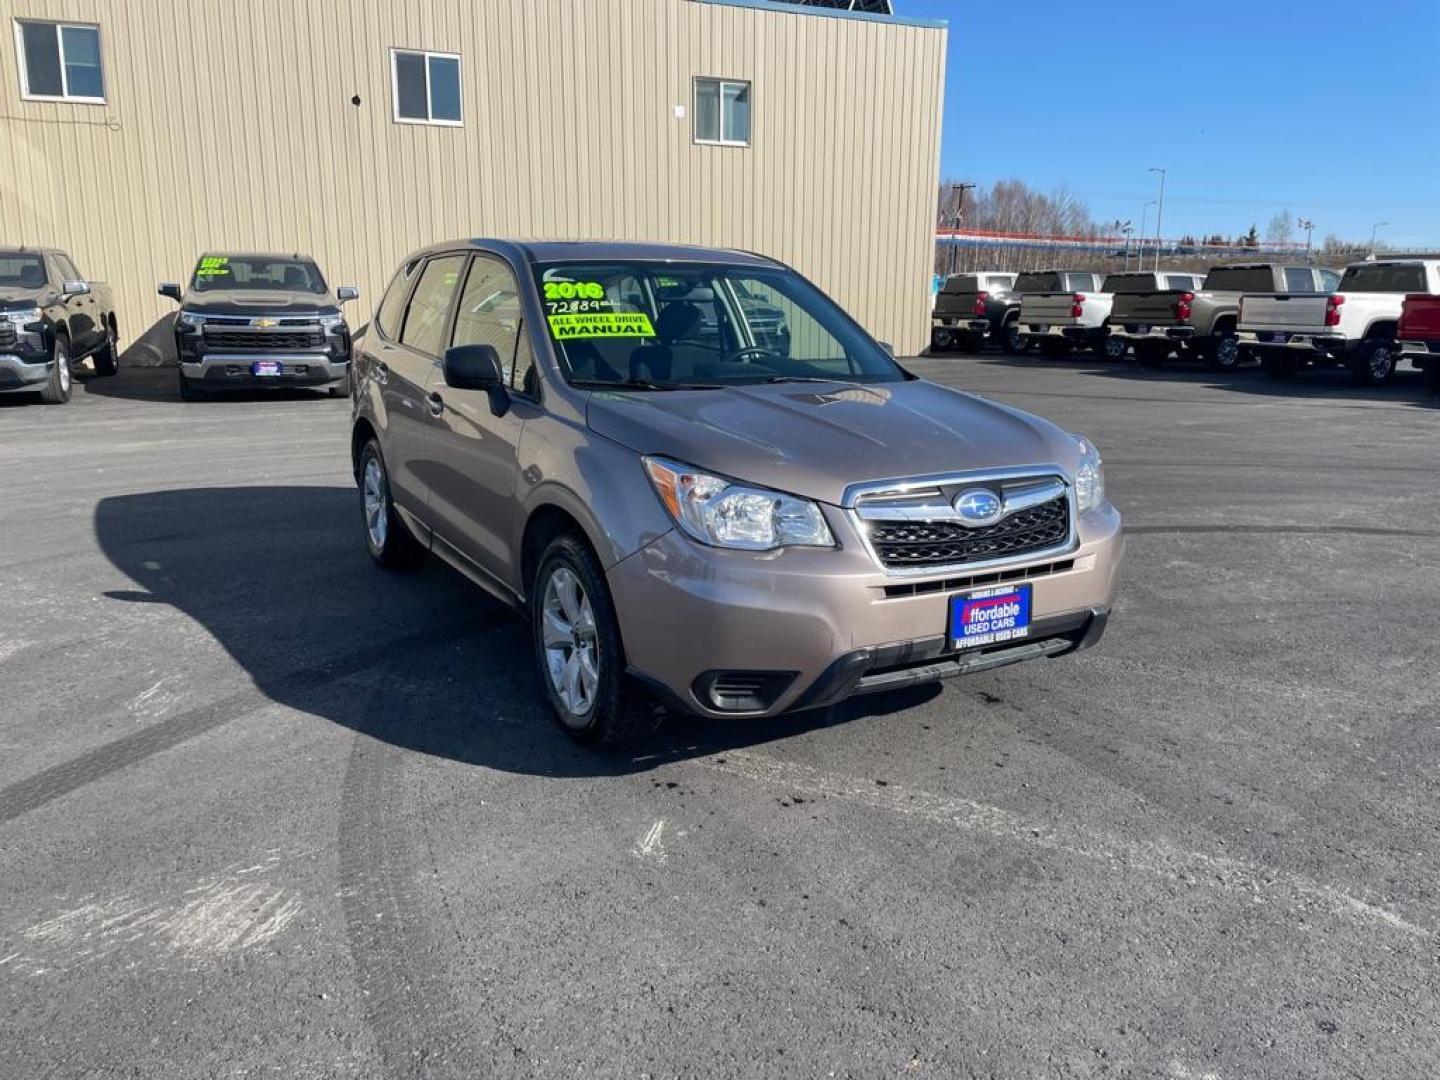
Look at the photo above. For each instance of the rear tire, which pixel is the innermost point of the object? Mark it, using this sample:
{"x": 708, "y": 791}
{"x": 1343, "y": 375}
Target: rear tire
{"x": 1374, "y": 362}
{"x": 1012, "y": 341}
{"x": 388, "y": 540}
{"x": 62, "y": 381}
{"x": 579, "y": 653}
{"x": 1152, "y": 354}
{"x": 1223, "y": 352}
{"x": 1114, "y": 348}
{"x": 941, "y": 340}
{"x": 107, "y": 360}
{"x": 1278, "y": 365}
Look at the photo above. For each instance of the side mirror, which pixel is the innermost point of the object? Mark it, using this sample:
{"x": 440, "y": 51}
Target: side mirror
{"x": 170, "y": 289}
{"x": 346, "y": 293}
{"x": 889, "y": 349}
{"x": 477, "y": 367}
{"x": 74, "y": 288}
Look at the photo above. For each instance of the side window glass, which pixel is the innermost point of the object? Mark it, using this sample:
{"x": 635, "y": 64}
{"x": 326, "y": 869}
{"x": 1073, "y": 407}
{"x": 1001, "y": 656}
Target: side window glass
{"x": 392, "y": 307}
{"x": 1297, "y": 280}
{"x": 490, "y": 313}
{"x": 425, "y": 318}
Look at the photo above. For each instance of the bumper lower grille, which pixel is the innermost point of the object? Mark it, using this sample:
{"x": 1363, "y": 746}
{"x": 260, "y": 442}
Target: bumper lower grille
{"x": 7, "y": 335}
{"x": 262, "y": 341}
{"x": 906, "y": 544}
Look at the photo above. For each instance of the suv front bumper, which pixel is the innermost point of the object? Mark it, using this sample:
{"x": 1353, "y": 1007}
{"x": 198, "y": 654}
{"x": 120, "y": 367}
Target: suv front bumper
{"x": 809, "y": 627}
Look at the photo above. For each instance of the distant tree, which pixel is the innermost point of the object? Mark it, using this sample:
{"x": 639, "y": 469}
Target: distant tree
{"x": 1216, "y": 240}
{"x": 1281, "y": 229}
{"x": 1252, "y": 238}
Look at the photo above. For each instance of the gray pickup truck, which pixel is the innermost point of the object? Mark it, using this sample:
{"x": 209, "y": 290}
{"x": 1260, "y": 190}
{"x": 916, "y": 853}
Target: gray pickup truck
{"x": 1202, "y": 322}
{"x": 972, "y": 309}
{"x": 51, "y": 317}
{"x": 258, "y": 321}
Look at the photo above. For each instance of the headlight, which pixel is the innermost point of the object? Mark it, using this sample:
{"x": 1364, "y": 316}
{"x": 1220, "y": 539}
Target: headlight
{"x": 191, "y": 320}
{"x": 1089, "y": 476}
{"x": 727, "y": 514}
{"x": 333, "y": 324}
{"x": 20, "y": 318}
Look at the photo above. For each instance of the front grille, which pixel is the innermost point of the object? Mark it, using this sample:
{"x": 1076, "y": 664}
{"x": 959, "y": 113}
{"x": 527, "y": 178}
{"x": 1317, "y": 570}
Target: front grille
{"x": 908, "y": 544}
{"x": 263, "y": 340}
{"x": 7, "y": 334}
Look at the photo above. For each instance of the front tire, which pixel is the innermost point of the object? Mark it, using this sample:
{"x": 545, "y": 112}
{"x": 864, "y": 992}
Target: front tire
{"x": 1374, "y": 362}
{"x": 578, "y": 649}
{"x": 62, "y": 381}
{"x": 390, "y": 543}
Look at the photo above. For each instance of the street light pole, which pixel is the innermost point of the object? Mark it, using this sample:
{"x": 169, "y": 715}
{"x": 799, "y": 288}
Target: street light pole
{"x": 1309, "y": 227}
{"x": 1159, "y": 214}
{"x": 1140, "y": 253}
{"x": 1373, "y": 230}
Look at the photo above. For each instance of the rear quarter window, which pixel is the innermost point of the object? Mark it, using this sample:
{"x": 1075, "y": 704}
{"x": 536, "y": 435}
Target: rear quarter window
{"x": 1385, "y": 278}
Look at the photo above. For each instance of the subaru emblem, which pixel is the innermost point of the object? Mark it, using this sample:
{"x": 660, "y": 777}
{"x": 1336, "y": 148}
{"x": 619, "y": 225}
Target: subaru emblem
{"x": 978, "y": 506}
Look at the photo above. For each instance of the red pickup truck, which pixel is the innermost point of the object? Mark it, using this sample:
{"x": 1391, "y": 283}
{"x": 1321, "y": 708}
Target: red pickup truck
{"x": 1418, "y": 336}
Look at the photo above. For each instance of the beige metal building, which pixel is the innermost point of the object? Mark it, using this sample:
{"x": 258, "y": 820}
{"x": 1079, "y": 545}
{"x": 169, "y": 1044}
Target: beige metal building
{"x": 138, "y": 133}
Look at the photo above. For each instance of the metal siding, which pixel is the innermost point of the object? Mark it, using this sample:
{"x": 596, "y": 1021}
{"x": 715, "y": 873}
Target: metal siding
{"x": 230, "y": 125}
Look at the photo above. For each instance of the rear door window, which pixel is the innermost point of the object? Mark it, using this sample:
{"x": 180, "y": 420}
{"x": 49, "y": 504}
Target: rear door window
{"x": 1329, "y": 279}
{"x": 1299, "y": 279}
{"x": 1385, "y": 278}
{"x": 430, "y": 305}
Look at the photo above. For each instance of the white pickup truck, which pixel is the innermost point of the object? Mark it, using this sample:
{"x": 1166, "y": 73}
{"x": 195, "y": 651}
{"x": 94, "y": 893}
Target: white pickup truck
{"x": 1060, "y": 309}
{"x": 1353, "y": 327}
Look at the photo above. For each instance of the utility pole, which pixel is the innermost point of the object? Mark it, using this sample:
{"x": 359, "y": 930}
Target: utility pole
{"x": 1373, "y": 230}
{"x": 1159, "y": 214}
{"x": 1309, "y": 227}
{"x": 1127, "y": 228}
{"x": 960, "y": 190}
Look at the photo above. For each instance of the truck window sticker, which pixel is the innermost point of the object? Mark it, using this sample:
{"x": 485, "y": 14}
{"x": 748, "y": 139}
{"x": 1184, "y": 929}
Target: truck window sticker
{"x": 213, "y": 266}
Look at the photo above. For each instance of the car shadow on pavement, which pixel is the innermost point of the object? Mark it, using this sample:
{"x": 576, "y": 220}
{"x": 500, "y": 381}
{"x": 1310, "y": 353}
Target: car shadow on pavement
{"x": 422, "y": 659}
{"x": 1334, "y": 384}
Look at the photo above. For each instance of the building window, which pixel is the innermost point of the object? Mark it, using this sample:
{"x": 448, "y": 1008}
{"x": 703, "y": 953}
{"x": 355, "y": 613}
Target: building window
{"x": 59, "y": 61}
{"x": 722, "y": 112}
{"x": 427, "y": 87}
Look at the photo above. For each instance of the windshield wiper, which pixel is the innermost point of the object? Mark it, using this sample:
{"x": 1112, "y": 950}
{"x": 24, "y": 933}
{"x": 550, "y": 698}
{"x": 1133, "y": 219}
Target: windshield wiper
{"x": 808, "y": 378}
{"x": 637, "y": 384}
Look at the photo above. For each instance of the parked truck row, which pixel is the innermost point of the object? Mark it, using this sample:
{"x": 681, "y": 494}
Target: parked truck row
{"x": 1368, "y": 319}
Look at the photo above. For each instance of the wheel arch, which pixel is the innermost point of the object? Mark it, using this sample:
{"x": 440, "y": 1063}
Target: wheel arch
{"x": 360, "y": 434}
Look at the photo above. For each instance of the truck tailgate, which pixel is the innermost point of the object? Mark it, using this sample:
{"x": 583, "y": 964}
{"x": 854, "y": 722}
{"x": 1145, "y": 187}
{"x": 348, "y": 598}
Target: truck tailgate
{"x": 1047, "y": 309}
{"x": 1146, "y": 309}
{"x": 1303, "y": 311}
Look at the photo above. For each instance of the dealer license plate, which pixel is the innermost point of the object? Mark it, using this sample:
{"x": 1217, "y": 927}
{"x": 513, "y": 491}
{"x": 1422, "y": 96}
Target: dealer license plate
{"x": 989, "y": 616}
{"x": 266, "y": 367}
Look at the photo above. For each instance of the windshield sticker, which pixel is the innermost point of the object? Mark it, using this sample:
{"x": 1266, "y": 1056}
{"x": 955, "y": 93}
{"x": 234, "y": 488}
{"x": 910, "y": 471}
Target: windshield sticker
{"x": 213, "y": 265}
{"x": 601, "y": 325}
{"x": 575, "y": 297}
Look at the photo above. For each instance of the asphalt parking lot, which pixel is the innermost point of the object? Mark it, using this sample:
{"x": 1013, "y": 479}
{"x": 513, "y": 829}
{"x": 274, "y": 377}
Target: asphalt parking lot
{"x": 267, "y": 811}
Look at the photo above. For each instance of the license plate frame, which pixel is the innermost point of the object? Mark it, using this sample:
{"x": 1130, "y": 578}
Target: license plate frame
{"x": 267, "y": 369}
{"x": 995, "y": 615}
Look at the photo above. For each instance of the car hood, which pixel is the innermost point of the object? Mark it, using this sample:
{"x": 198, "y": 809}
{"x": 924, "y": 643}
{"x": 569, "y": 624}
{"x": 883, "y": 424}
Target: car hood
{"x": 256, "y": 302}
{"x": 815, "y": 439}
{"x": 13, "y": 297}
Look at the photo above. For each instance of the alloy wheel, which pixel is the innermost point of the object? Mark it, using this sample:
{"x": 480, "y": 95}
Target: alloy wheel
{"x": 377, "y": 517}
{"x": 572, "y": 661}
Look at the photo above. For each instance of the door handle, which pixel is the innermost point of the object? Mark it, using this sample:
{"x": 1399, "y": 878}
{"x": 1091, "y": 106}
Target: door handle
{"x": 437, "y": 404}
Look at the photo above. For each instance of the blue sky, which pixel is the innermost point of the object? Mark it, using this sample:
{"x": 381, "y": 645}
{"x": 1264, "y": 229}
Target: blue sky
{"x": 1326, "y": 108}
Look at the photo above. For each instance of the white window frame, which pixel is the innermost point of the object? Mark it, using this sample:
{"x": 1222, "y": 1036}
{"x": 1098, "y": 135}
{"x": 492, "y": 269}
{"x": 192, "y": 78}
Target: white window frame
{"x": 22, "y": 61}
{"x": 721, "y": 83}
{"x": 395, "y": 52}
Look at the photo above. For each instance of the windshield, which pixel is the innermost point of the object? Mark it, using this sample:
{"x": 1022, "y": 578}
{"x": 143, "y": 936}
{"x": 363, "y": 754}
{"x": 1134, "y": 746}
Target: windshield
{"x": 214, "y": 272}
{"x": 22, "y": 272}
{"x": 665, "y": 325}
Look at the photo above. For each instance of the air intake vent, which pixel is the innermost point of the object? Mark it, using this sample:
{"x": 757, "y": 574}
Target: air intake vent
{"x": 741, "y": 691}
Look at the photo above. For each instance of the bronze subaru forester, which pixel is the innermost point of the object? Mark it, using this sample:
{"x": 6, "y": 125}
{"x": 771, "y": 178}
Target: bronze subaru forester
{"x": 709, "y": 488}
